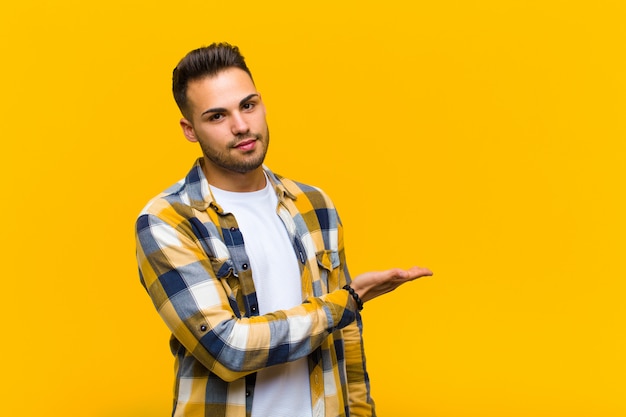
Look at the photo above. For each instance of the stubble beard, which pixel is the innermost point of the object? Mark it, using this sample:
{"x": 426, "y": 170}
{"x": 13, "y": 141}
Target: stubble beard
{"x": 226, "y": 161}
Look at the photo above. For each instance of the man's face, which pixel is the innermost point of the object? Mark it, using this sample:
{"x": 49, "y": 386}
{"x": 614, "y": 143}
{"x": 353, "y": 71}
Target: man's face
{"x": 227, "y": 119}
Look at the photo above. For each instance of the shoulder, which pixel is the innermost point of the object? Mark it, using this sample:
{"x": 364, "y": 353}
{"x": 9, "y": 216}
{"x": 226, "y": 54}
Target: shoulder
{"x": 191, "y": 192}
{"x": 312, "y": 204}
{"x": 171, "y": 208}
{"x": 317, "y": 197}
{"x": 164, "y": 199}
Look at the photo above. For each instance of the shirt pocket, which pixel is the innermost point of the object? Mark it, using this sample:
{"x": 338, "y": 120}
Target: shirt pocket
{"x": 328, "y": 266}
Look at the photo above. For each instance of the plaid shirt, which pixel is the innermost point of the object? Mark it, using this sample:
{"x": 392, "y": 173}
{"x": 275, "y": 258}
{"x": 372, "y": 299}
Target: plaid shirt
{"x": 193, "y": 264}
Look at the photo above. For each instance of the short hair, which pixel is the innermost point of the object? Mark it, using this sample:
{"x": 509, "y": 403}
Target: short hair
{"x": 206, "y": 61}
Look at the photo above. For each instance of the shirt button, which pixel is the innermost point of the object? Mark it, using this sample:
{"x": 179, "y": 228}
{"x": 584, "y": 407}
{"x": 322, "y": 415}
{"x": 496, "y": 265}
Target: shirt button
{"x": 247, "y": 393}
{"x": 232, "y": 229}
{"x": 253, "y": 308}
{"x": 203, "y": 328}
{"x": 244, "y": 266}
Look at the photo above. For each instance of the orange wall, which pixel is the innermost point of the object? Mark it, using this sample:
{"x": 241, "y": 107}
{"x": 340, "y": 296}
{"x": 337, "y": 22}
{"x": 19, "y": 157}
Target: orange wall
{"x": 484, "y": 139}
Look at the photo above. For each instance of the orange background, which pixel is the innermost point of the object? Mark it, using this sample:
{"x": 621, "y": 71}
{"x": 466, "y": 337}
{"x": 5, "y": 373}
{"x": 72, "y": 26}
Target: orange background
{"x": 484, "y": 139}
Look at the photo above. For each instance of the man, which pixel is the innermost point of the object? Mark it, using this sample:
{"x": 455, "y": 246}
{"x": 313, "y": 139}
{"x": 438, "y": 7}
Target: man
{"x": 247, "y": 268}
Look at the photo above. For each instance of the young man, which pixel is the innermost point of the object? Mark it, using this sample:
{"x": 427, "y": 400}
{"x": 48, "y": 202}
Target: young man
{"x": 247, "y": 268}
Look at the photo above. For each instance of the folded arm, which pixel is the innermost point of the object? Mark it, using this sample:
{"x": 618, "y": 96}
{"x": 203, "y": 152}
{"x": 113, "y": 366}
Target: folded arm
{"x": 179, "y": 277}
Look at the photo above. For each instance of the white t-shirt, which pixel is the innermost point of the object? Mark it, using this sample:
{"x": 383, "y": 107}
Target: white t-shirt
{"x": 281, "y": 390}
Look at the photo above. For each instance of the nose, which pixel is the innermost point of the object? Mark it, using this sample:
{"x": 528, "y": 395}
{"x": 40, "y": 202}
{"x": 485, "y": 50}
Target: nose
{"x": 239, "y": 124}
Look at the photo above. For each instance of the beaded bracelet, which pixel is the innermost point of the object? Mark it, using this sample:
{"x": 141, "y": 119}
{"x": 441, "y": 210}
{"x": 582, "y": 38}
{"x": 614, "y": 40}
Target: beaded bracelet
{"x": 359, "y": 302}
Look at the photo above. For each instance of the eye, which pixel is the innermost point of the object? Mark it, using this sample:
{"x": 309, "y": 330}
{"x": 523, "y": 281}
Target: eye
{"x": 248, "y": 106}
{"x": 215, "y": 117}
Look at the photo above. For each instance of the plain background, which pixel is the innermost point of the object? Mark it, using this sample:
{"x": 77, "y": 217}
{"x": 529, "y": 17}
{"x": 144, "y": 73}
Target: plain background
{"x": 483, "y": 139}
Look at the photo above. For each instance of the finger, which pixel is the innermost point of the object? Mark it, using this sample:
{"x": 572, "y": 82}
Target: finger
{"x": 418, "y": 272}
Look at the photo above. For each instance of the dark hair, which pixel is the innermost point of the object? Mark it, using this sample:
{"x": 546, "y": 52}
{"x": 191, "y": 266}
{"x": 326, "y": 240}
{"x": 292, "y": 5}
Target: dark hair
{"x": 203, "y": 62}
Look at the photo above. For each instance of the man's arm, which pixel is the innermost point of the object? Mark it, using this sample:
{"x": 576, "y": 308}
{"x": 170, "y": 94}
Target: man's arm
{"x": 179, "y": 277}
{"x": 193, "y": 302}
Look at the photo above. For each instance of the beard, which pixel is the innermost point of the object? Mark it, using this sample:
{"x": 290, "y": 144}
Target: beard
{"x": 237, "y": 163}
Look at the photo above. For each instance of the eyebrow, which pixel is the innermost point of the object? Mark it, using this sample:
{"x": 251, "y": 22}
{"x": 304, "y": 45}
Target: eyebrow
{"x": 222, "y": 109}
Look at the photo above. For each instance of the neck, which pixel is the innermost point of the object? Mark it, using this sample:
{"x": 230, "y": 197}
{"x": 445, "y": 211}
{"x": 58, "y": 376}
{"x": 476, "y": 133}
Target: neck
{"x": 234, "y": 181}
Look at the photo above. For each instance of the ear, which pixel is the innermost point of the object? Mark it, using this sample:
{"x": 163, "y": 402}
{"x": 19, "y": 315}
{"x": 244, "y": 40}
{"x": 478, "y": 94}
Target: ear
{"x": 188, "y": 130}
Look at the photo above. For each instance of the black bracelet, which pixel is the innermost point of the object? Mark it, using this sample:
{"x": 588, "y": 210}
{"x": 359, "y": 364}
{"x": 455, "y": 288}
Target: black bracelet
{"x": 359, "y": 302}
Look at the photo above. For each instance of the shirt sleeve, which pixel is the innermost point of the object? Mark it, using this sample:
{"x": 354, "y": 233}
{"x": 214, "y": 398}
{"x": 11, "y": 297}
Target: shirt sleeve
{"x": 179, "y": 278}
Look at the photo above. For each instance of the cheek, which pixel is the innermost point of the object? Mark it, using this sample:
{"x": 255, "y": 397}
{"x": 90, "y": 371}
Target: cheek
{"x": 260, "y": 122}
{"x": 214, "y": 136}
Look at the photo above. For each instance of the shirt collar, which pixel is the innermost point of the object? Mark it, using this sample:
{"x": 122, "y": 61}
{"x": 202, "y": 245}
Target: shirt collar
{"x": 200, "y": 197}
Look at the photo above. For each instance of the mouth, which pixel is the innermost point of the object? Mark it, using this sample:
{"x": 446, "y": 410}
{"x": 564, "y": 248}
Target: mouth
{"x": 246, "y": 144}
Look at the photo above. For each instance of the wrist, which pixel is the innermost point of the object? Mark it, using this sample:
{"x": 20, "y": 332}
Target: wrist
{"x": 355, "y": 297}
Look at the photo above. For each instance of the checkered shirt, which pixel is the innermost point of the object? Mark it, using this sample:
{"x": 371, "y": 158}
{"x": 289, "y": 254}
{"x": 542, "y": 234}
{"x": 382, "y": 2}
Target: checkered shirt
{"x": 193, "y": 264}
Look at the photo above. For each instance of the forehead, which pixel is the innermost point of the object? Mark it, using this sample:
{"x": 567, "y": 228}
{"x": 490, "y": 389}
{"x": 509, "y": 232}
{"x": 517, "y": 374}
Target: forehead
{"x": 224, "y": 89}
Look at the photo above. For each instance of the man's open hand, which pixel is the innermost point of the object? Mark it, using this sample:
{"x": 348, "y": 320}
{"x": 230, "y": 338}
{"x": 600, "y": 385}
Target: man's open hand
{"x": 370, "y": 285}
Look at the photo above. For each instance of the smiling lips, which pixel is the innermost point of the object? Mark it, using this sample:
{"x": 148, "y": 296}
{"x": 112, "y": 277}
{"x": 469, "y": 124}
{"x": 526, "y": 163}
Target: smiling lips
{"x": 246, "y": 145}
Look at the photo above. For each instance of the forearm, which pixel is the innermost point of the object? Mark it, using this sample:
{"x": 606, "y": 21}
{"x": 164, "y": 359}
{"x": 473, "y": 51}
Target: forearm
{"x": 243, "y": 345}
{"x": 235, "y": 347}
